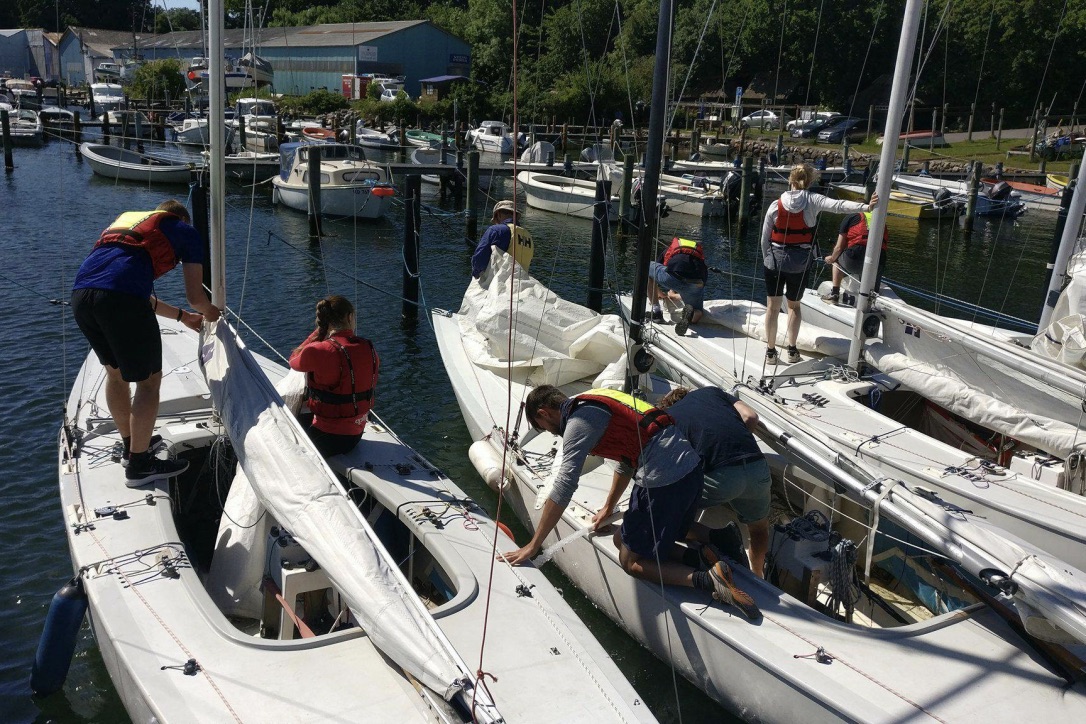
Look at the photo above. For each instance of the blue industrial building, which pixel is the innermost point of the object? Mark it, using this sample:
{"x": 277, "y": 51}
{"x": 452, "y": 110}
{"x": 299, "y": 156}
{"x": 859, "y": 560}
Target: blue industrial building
{"x": 28, "y": 53}
{"x": 304, "y": 58}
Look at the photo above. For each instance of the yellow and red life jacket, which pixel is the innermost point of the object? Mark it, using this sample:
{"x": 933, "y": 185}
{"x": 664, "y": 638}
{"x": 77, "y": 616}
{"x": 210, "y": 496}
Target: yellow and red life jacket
{"x": 790, "y": 227}
{"x": 857, "y": 233}
{"x": 352, "y": 394}
{"x": 633, "y": 423}
{"x": 142, "y": 229}
{"x": 684, "y": 246}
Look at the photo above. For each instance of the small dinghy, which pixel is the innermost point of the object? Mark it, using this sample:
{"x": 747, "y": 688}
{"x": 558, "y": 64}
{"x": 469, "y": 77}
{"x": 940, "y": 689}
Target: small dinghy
{"x": 120, "y": 163}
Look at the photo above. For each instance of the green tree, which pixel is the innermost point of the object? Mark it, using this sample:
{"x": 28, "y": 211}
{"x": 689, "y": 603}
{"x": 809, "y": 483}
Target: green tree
{"x": 157, "y": 78}
{"x": 177, "y": 19}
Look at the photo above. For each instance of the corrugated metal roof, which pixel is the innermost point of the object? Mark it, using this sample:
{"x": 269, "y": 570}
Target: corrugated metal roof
{"x": 329, "y": 35}
{"x": 443, "y": 78}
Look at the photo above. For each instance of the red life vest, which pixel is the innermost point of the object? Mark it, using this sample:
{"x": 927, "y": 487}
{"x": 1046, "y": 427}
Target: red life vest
{"x": 684, "y": 246}
{"x": 857, "y": 233}
{"x": 352, "y": 394}
{"x": 790, "y": 227}
{"x": 141, "y": 229}
{"x": 633, "y": 423}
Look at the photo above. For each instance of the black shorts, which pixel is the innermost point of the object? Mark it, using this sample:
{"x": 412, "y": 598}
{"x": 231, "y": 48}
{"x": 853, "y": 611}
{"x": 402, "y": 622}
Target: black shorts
{"x": 790, "y": 285}
{"x": 122, "y": 331}
{"x": 327, "y": 443}
{"x": 659, "y": 516}
{"x": 851, "y": 262}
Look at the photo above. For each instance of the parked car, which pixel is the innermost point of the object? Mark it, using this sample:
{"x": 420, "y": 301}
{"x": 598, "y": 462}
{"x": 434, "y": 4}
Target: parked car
{"x": 810, "y": 128}
{"x": 808, "y": 116}
{"x": 764, "y": 119}
{"x": 836, "y": 133}
{"x": 388, "y": 95}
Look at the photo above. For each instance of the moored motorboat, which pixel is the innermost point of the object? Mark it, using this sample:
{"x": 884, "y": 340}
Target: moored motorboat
{"x": 115, "y": 163}
{"x": 349, "y": 184}
{"x": 1034, "y": 196}
{"x": 997, "y": 199}
{"x": 25, "y": 128}
{"x": 107, "y": 97}
{"x": 902, "y": 204}
{"x": 563, "y": 194}
{"x": 492, "y": 137}
{"x": 423, "y": 139}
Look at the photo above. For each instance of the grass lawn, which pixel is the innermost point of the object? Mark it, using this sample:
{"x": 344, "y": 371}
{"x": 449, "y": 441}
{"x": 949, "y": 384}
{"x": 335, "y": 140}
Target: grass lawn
{"x": 982, "y": 149}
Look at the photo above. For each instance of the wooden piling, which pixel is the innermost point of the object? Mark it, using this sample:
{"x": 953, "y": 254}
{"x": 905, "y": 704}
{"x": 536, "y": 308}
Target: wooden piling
{"x": 971, "y": 197}
{"x": 624, "y": 193}
{"x": 243, "y": 141}
{"x": 596, "y": 254}
{"x": 999, "y": 133}
{"x": 126, "y": 140}
{"x": 905, "y": 157}
{"x": 90, "y": 102}
{"x": 870, "y": 123}
{"x": 411, "y": 230}
{"x": 565, "y": 135}
{"x": 969, "y": 127}
{"x": 314, "y": 180}
{"x": 5, "y": 128}
{"x": 744, "y": 192}
{"x": 77, "y": 130}
{"x": 931, "y": 139}
{"x": 472, "y": 218}
{"x": 105, "y": 128}
{"x": 139, "y": 131}
{"x": 695, "y": 140}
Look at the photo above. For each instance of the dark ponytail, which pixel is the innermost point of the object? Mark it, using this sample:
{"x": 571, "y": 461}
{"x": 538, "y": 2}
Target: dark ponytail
{"x": 332, "y": 311}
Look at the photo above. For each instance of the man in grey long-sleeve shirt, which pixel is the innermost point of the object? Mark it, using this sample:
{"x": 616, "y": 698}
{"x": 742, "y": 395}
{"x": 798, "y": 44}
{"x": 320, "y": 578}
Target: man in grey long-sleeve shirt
{"x": 668, "y": 480}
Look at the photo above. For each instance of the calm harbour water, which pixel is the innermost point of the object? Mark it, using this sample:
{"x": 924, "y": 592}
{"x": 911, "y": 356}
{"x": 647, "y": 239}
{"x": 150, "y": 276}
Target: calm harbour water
{"x": 52, "y": 208}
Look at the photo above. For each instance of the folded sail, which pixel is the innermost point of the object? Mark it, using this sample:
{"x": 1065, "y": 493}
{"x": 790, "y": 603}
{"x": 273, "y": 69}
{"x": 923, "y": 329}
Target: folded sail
{"x": 298, "y": 489}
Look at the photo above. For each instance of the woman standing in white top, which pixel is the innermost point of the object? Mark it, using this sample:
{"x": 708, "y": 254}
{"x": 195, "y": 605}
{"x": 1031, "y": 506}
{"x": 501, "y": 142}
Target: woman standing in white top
{"x": 788, "y": 249}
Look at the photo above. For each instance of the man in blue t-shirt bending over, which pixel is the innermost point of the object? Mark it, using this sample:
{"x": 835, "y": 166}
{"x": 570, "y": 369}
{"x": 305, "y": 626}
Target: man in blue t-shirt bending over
{"x": 114, "y": 304}
{"x": 719, "y": 427}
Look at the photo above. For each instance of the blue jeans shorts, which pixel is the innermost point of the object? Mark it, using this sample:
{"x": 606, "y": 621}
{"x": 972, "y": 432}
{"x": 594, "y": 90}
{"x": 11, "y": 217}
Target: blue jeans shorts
{"x": 693, "y": 293}
{"x": 744, "y": 486}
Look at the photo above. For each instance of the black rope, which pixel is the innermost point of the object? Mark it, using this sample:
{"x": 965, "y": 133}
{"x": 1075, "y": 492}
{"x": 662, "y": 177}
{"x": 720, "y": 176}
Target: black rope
{"x": 47, "y": 298}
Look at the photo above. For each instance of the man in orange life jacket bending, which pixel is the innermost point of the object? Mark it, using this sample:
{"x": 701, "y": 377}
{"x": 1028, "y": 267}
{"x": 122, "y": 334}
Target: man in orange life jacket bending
{"x": 788, "y": 249}
{"x": 114, "y": 304}
{"x": 668, "y": 472}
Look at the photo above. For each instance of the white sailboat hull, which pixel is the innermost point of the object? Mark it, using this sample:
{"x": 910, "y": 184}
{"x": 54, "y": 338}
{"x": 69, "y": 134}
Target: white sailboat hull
{"x": 762, "y": 672}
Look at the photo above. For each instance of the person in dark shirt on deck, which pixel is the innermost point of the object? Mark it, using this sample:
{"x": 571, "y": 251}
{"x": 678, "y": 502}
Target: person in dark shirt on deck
{"x": 114, "y": 304}
{"x": 501, "y": 234}
{"x": 848, "y": 254}
{"x": 720, "y": 428}
{"x": 681, "y": 273}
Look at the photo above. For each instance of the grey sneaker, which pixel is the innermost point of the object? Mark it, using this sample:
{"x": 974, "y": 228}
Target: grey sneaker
{"x": 684, "y": 321}
{"x": 792, "y": 356}
{"x": 771, "y": 356}
{"x": 725, "y": 591}
{"x": 143, "y": 473}
{"x": 832, "y": 298}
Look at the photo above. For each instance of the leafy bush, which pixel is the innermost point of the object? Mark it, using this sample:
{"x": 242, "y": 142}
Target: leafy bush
{"x": 157, "y": 78}
{"x": 314, "y": 103}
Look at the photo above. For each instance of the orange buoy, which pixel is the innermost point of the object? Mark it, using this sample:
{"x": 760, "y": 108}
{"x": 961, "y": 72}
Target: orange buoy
{"x": 383, "y": 191}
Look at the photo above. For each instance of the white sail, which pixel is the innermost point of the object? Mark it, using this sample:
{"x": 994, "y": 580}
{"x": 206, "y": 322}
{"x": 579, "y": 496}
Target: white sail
{"x": 569, "y": 342}
{"x": 297, "y": 487}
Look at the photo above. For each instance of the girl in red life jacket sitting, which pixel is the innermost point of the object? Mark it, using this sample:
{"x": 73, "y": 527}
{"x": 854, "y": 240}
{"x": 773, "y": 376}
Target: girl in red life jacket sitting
{"x": 788, "y": 249}
{"x": 341, "y": 375}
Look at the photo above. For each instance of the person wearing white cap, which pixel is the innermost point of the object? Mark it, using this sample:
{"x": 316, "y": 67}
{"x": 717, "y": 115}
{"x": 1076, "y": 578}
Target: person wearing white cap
{"x": 502, "y": 233}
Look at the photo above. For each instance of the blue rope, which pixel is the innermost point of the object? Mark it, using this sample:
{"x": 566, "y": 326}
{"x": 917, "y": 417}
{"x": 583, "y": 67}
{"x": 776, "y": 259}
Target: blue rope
{"x": 1007, "y": 320}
